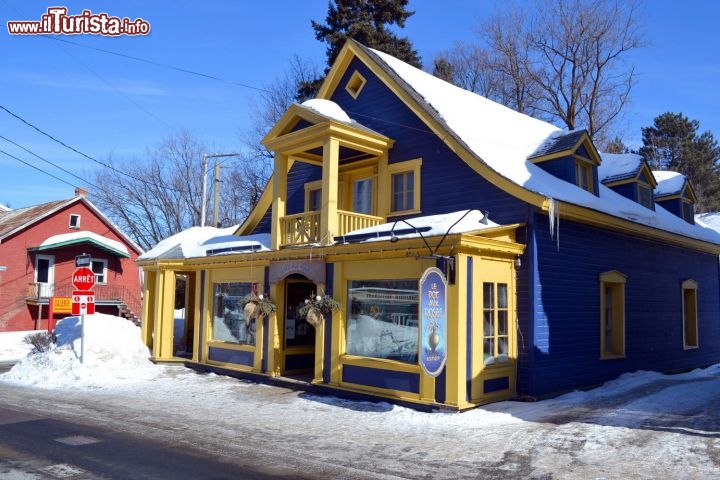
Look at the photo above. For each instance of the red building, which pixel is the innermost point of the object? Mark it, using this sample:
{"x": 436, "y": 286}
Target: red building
{"x": 38, "y": 246}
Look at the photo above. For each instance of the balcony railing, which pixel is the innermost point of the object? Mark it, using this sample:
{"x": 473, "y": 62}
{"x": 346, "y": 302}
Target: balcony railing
{"x": 113, "y": 294}
{"x": 304, "y": 228}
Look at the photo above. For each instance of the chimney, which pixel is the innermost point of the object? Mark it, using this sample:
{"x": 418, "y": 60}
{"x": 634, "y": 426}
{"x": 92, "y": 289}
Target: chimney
{"x": 80, "y": 192}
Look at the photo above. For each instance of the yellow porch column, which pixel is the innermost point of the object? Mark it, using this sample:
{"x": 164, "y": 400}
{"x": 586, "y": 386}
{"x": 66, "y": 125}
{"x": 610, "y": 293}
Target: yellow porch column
{"x": 280, "y": 176}
{"x": 329, "y": 209}
{"x": 164, "y": 315}
{"x": 148, "y": 309}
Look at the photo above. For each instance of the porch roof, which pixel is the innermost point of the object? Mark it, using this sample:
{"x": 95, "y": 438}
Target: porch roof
{"x": 75, "y": 238}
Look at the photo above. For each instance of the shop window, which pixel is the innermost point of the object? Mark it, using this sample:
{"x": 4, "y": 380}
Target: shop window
{"x": 74, "y": 221}
{"x": 229, "y": 323}
{"x": 496, "y": 331}
{"x": 99, "y": 268}
{"x": 612, "y": 314}
{"x": 383, "y": 319}
{"x": 405, "y": 186}
{"x": 689, "y": 307}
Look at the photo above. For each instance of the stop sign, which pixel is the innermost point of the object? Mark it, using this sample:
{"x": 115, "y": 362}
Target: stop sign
{"x": 83, "y": 279}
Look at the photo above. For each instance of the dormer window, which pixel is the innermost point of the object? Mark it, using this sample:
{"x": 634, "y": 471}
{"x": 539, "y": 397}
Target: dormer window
{"x": 645, "y": 197}
{"x": 570, "y": 156}
{"x": 355, "y": 84}
{"x": 584, "y": 176}
{"x": 688, "y": 210}
{"x": 74, "y": 221}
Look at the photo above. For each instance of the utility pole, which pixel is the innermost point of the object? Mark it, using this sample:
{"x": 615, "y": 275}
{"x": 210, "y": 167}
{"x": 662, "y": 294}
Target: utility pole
{"x": 203, "y": 192}
{"x": 216, "y": 199}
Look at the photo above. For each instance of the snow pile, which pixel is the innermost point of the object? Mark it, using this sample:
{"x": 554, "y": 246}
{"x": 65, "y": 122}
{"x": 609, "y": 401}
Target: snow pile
{"x": 93, "y": 237}
{"x": 13, "y": 345}
{"x": 113, "y": 353}
{"x": 668, "y": 182}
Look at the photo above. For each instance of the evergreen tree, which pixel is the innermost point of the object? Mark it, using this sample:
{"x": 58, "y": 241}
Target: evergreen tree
{"x": 367, "y": 22}
{"x": 673, "y": 143}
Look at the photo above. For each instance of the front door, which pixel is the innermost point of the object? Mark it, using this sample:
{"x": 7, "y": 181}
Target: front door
{"x": 298, "y": 334}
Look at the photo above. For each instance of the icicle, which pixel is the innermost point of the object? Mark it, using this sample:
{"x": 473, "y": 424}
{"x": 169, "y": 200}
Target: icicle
{"x": 554, "y": 214}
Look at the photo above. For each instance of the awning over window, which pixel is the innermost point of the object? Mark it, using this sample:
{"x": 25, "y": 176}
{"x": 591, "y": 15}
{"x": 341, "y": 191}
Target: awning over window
{"x": 58, "y": 241}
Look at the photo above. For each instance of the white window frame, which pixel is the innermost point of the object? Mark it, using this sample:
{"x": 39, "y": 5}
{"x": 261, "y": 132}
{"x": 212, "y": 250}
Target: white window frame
{"x": 76, "y": 223}
{"x": 98, "y": 280}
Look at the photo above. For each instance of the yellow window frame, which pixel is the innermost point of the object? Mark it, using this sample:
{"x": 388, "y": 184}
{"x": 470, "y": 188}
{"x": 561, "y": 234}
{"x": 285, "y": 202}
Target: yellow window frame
{"x": 355, "y": 85}
{"x": 689, "y": 314}
{"x": 408, "y": 166}
{"x": 584, "y": 170}
{"x": 612, "y": 314}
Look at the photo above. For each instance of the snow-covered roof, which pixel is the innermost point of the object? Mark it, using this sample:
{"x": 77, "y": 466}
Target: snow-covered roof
{"x": 619, "y": 166}
{"x": 205, "y": 241}
{"x": 65, "y": 239}
{"x": 669, "y": 183}
{"x": 327, "y": 108}
{"x": 711, "y": 220}
{"x": 427, "y": 226}
{"x": 504, "y": 139}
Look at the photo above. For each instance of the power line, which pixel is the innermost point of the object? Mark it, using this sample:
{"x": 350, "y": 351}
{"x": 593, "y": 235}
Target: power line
{"x": 49, "y": 162}
{"x": 79, "y": 152}
{"x": 158, "y": 64}
{"x": 36, "y": 168}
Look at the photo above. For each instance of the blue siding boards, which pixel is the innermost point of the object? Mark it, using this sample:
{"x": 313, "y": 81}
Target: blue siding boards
{"x": 566, "y": 303}
{"x": 238, "y": 357}
{"x": 447, "y": 182}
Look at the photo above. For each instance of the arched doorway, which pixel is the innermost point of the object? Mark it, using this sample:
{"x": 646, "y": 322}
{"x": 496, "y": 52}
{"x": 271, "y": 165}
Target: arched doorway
{"x": 298, "y": 336}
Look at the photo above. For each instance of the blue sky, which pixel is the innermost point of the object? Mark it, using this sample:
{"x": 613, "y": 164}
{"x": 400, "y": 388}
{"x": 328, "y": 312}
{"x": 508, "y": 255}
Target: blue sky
{"x": 103, "y": 104}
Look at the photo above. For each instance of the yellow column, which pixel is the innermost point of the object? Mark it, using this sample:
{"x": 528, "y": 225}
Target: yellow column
{"x": 259, "y": 336}
{"x": 455, "y": 368}
{"x": 165, "y": 316}
{"x": 148, "y": 309}
{"x": 329, "y": 210}
{"x": 280, "y": 176}
{"x": 338, "y": 326}
{"x": 275, "y": 323}
{"x": 383, "y": 186}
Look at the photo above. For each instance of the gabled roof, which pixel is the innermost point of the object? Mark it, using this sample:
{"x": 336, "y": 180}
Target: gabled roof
{"x": 496, "y": 142}
{"x": 672, "y": 184}
{"x": 561, "y": 144}
{"x": 621, "y": 167}
{"x": 15, "y": 221}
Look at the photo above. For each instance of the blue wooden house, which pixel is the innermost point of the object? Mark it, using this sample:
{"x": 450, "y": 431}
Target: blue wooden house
{"x": 561, "y": 267}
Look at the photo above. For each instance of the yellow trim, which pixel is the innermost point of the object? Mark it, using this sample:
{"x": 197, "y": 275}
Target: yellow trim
{"x": 355, "y": 85}
{"x": 615, "y": 280}
{"x": 610, "y": 222}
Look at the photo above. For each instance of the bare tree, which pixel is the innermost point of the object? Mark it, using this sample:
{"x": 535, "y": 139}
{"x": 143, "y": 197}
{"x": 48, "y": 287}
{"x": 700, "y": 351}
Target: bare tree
{"x": 153, "y": 197}
{"x": 562, "y": 60}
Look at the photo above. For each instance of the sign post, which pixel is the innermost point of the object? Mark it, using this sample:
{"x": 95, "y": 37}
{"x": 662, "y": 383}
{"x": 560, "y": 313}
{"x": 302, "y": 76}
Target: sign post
{"x": 83, "y": 299}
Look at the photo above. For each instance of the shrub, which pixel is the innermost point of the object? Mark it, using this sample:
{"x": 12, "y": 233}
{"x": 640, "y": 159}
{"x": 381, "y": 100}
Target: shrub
{"x": 41, "y": 341}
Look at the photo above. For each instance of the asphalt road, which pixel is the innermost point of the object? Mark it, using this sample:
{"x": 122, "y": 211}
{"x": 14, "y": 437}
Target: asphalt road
{"x": 38, "y": 447}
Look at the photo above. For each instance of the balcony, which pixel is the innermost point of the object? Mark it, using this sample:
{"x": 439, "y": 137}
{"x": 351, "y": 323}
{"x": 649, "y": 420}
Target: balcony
{"x": 304, "y": 228}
